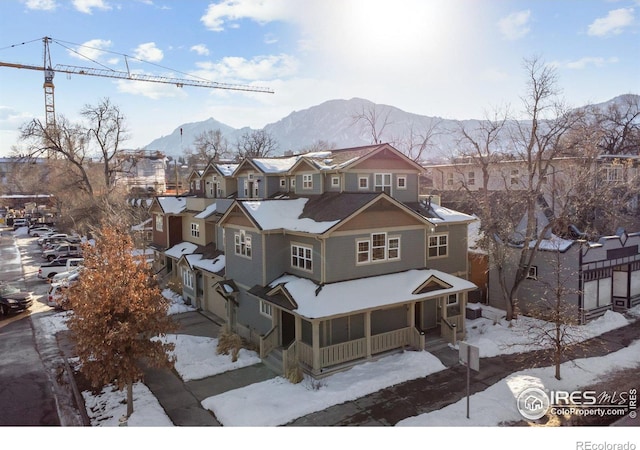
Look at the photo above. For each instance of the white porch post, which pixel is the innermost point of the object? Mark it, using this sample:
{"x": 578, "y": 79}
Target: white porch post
{"x": 315, "y": 341}
{"x": 411, "y": 320}
{"x": 367, "y": 332}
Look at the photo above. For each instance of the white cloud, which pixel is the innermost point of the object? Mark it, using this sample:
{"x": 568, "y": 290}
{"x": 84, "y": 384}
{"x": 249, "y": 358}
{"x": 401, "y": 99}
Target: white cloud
{"x": 219, "y": 14}
{"x": 150, "y": 90}
{"x": 596, "y": 61}
{"x": 258, "y": 68}
{"x": 515, "y": 25}
{"x": 613, "y": 23}
{"x": 92, "y": 49}
{"x": 87, "y": 6}
{"x": 200, "y": 49}
{"x": 41, "y": 5}
{"x": 148, "y": 52}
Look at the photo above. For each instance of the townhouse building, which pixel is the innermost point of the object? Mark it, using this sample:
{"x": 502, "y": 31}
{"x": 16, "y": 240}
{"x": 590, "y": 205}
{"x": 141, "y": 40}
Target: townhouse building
{"x": 322, "y": 260}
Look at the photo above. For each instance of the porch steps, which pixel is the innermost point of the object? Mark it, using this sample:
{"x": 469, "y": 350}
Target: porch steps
{"x": 434, "y": 343}
{"x": 274, "y": 360}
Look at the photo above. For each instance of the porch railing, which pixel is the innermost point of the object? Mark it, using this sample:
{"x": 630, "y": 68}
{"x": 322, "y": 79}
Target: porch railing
{"x": 357, "y": 348}
{"x": 391, "y": 340}
{"x": 289, "y": 357}
{"x": 449, "y": 330}
{"x": 417, "y": 339}
{"x": 268, "y": 342}
{"x": 340, "y": 353}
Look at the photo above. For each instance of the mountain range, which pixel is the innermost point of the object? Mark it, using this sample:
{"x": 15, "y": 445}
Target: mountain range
{"x": 335, "y": 123}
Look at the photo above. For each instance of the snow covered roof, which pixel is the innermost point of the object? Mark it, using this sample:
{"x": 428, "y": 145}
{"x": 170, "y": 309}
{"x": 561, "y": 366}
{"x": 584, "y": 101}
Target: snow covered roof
{"x": 554, "y": 243}
{"x": 275, "y": 165}
{"x": 207, "y": 212}
{"x": 449, "y": 215}
{"x": 226, "y": 169}
{"x": 315, "y": 301}
{"x": 183, "y": 248}
{"x": 172, "y": 205}
{"x": 284, "y": 214}
{"x": 214, "y": 265}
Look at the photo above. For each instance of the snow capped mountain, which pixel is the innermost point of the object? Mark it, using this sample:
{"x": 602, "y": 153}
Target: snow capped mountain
{"x": 336, "y": 123}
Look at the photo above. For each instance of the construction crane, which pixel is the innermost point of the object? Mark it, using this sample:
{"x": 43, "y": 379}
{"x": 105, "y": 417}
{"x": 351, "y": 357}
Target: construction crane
{"x": 50, "y": 71}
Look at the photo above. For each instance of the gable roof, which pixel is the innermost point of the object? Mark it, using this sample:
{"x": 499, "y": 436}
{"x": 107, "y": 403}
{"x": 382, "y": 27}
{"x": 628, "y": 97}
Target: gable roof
{"x": 171, "y": 204}
{"x": 317, "y": 301}
{"x": 316, "y": 214}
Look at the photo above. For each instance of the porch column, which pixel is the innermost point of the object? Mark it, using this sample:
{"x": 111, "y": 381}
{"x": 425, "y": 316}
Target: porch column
{"x": 315, "y": 342}
{"x": 298, "y": 328}
{"x": 367, "y": 332}
{"x": 411, "y": 320}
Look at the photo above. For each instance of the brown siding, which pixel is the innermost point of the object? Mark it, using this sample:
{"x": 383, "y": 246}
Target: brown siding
{"x": 380, "y": 215}
{"x": 175, "y": 230}
{"x": 239, "y": 219}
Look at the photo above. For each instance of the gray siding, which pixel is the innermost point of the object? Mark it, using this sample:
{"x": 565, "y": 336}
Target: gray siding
{"x": 341, "y": 256}
{"x": 249, "y": 314}
{"x": 317, "y": 185}
{"x": 239, "y": 268}
{"x": 456, "y": 260}
{"x": 278, "y": 251}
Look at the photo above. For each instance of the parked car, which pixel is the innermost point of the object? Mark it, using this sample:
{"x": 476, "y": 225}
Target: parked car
{"x": 63, "y": 250}
{"x": 39, "y": 231}
{"x": 17, "y": 223}
{"x": 49, "y": 270}
{"x": 48, "y": 236}
{"x": 57, "y": 295}
{"x": 13, "y": 300}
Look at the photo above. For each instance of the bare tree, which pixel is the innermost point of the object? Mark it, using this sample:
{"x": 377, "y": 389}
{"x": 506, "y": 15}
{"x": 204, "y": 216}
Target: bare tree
{"x": 256, "y": 144}
{"x": 555, "y": 327}
{"x": 419, "y": 141}
{"x": 534, "y": 143}
{"x": 373, "y": 120}
{"x": 83, "y": 161}
{"x": 620, "y": 126}
{"x": 210, "y": 145}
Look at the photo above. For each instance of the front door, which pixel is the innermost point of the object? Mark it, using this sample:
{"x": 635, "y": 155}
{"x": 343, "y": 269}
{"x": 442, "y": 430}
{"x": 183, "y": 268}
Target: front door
{"x": 288, "y": 325}
{"x": 430, "y": 311}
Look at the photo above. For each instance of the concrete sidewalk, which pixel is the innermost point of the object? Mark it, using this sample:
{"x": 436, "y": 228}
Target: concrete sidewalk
{"x": 386, "y": 407}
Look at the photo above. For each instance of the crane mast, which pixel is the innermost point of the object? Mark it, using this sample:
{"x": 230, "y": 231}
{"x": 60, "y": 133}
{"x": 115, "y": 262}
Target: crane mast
{"x": 49, "y": 73}
{"x": 49, "y": 104}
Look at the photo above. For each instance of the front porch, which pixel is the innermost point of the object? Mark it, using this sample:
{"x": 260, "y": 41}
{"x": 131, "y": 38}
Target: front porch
{"x": 314, "y": 351}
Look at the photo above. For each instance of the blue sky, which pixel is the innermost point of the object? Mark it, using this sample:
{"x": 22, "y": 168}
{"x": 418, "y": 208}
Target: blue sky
{"x": 449, "y": 58}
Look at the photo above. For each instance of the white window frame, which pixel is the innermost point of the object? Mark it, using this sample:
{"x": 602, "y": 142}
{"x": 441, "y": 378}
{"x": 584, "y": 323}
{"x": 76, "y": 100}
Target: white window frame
{"x": 266, "y": 309}
{"x": 532, "y": 273}
{"x": 471, "y": 180}
{"x": 390, "y": 250}
{"x": 380, "y": 182}
{"x": 335, "y": 181}
{"x": 293, "y": 182}
{"x": 438, "y": 245}
{"x": 452, "y": 299}
{"x": 401, "y": 182}
{"x": 195, "y": 230}
{"x": 307, "y": 181}
{"x": 187, "y": 278}
{"x": 283, "y": 182}
{"x": 304, "y": 260}
{"x": 197, "y": 185}
{"x": 159, "y": 222}
{"x": 450, "y": 179}
{"x": 366, "y": 182}
{"x": 242, "y": 244}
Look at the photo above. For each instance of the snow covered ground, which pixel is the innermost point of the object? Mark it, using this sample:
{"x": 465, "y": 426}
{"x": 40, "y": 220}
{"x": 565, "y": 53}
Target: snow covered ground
{"x": 276, "y": 402}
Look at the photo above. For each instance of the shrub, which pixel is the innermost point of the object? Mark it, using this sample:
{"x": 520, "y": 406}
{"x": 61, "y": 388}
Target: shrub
{"x": 229, "y": 343}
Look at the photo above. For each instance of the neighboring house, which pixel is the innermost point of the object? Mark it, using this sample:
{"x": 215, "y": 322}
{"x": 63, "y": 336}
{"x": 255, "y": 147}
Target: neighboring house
{"x": 594, "y": 277}
{"x": 142, "y": 172}
{"x": 326, "y": 259}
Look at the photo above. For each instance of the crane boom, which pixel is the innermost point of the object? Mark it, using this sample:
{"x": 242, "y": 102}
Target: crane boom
{"x": 49, "y": 73}
{"x": 179, "y": 82}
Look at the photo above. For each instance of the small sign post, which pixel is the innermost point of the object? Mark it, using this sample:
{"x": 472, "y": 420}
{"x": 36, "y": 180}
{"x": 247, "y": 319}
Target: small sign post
{"x": 469, "y": 356}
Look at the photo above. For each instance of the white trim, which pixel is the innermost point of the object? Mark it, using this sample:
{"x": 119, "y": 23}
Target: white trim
{"x": 438, "y": 245}
{"x": 302, "y": 258}
{"x": 266, "y": 309}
